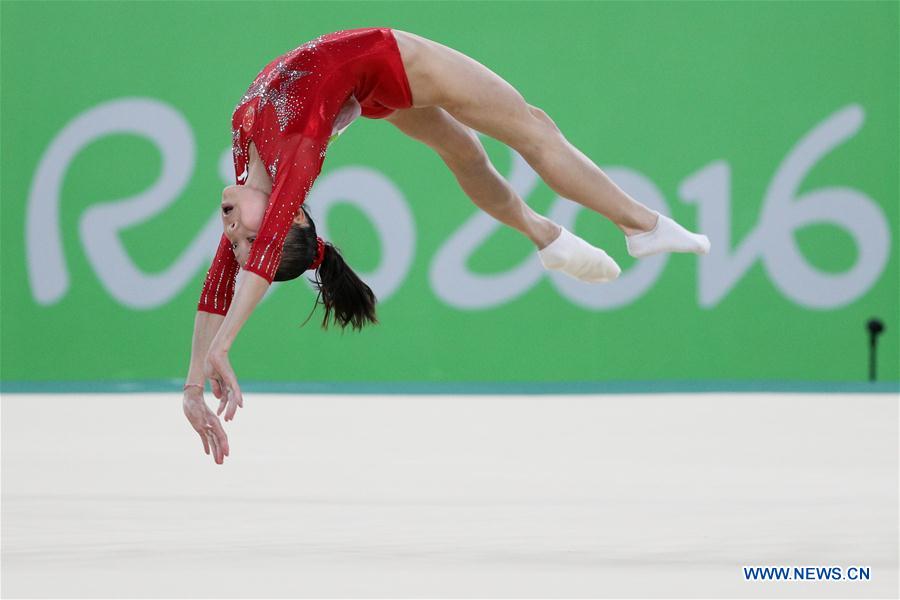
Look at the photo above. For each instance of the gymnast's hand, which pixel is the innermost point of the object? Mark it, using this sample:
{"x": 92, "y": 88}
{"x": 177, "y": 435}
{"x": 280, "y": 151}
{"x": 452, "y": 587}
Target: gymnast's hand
{"x": 205, "y": 423}
{"x": 224, "y": 382}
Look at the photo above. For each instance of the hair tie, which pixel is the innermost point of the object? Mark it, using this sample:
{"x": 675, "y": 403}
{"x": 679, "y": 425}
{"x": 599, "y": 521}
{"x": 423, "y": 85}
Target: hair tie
{"x": 320, "y": 254}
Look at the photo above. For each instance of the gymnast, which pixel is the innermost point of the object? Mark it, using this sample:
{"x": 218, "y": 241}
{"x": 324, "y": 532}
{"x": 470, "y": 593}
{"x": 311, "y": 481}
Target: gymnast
{"x": 281, "y": 129}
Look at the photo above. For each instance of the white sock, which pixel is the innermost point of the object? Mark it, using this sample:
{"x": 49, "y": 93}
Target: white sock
{"x": 667, "y": 236}
{"x": 575, "y": 257}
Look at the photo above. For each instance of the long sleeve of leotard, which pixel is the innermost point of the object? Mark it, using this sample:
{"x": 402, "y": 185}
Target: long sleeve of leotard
{"x": 218, "y": 289}
{"x": 296, "y": 165}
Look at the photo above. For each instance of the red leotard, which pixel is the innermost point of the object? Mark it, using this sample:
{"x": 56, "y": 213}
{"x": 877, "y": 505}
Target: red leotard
{"x": 288, "y": 113}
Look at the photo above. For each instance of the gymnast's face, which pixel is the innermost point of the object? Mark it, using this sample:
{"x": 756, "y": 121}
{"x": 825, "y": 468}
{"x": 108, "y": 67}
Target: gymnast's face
{"x": 243, "y": 208}
{"x": 242, "y": 213}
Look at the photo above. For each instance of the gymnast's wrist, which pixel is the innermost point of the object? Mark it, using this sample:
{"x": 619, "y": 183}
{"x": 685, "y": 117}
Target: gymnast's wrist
{"x": 221, "y": 344}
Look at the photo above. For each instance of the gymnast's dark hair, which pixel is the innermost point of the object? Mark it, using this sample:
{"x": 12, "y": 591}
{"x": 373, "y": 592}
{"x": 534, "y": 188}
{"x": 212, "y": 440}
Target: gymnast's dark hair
{"x": 346, "y": 297}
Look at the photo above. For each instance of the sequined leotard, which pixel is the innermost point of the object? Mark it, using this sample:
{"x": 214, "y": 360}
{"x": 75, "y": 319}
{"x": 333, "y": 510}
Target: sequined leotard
{"x": 289, "y": 114}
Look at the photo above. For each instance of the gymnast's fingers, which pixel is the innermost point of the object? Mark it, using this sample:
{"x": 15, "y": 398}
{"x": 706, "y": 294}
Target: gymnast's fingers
{"x": 213, "y": 442}
{"x": 232, "y": 406}
{"x": 220, "y": 437}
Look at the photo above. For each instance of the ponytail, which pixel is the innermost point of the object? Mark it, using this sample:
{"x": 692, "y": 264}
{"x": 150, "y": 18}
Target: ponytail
{"x": 346, "y": 298}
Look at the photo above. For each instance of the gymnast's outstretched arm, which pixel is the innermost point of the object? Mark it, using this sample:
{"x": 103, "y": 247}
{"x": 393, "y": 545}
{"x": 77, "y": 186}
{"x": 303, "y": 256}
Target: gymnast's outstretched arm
{"x": 202, "y": 419}
{"x": 217, "y": 367}
{"x": 223, "y": 311}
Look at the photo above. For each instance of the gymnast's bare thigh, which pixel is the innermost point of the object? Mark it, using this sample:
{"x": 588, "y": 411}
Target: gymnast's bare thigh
{"x": 472, "y": 93}
{"x": 457, "y": 144}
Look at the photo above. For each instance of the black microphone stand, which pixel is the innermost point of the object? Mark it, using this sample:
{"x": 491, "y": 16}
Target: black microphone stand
{"x": 875, "y": 327}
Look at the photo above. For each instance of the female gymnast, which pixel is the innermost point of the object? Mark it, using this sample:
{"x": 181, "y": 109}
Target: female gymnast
{"x": 281, "y": 129}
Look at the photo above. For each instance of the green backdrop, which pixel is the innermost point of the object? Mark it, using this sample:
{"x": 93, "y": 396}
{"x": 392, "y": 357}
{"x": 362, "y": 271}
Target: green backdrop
{"x": 699, "y": 103}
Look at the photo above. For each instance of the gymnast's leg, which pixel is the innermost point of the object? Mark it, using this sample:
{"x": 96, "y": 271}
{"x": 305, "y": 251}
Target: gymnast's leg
{"x": 464, "y": 155}
{"x": 481, "y": 99}
{"x": 462, "y": 152}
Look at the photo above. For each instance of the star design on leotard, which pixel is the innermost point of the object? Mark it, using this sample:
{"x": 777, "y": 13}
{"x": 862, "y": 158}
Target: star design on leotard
{"x": 277, "y": 96}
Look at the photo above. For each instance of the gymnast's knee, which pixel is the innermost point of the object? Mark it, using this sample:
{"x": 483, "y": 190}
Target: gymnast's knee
{"x": 542, "y": 118}
{"x": 469, "y": 157}
{"x": 540, "y": 137}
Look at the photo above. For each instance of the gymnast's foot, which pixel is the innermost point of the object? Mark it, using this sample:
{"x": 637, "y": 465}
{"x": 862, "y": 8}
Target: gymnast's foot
{"x": 576, "y": 258}
{"x": 666, "y": 236}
